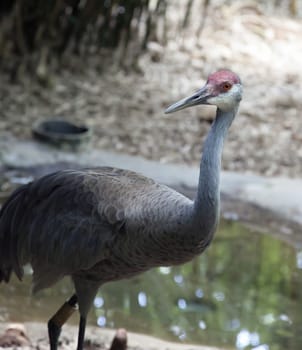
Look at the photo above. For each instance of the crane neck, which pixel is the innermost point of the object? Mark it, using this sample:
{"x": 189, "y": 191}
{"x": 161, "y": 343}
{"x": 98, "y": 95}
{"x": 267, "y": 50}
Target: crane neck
{"x": 206, "y": 204}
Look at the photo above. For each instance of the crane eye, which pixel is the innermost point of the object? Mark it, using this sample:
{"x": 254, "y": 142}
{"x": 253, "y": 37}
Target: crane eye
{"x": 226, "y": 86}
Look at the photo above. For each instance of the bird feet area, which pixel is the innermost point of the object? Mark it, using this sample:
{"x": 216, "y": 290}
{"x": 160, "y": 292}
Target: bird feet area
{"x": 34, "y": 336}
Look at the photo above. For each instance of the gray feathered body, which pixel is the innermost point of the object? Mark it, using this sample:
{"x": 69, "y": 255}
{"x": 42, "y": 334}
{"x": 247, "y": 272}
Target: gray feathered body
{"x": 101, "y": 224}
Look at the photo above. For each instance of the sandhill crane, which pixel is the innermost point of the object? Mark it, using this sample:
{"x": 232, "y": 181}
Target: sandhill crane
{"x": 104, "y": 224}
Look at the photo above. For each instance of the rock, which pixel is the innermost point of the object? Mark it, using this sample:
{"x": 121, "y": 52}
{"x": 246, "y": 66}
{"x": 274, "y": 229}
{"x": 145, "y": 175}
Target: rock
{"x": 14, "y": 335}
{"x": 120, "y": 340}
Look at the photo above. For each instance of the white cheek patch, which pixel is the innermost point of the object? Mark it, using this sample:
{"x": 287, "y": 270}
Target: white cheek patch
{"x": 227, "y": 100}
{"x": 223, "y": 102}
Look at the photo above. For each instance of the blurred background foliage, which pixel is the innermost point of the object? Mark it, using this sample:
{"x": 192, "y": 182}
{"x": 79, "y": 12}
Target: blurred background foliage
{"x": 35, "y": 35}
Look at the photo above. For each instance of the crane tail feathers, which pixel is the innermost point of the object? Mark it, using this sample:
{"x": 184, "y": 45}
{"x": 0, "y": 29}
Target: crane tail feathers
{"x": 9, "y": 234}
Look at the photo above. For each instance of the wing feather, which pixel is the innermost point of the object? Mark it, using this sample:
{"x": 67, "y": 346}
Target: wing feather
{"x": 69, "y": 221}
{"x": 61, "y": 220}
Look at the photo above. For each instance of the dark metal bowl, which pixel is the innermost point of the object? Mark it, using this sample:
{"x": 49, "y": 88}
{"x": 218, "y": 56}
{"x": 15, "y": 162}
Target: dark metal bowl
{"x": 61, "y": 132}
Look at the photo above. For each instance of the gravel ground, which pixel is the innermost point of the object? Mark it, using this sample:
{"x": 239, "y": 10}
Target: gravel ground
{"x": 126, "y": 110}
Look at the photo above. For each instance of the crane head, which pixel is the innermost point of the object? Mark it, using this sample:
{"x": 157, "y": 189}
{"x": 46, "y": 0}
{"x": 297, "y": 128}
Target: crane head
{"x": 222, "y": 89}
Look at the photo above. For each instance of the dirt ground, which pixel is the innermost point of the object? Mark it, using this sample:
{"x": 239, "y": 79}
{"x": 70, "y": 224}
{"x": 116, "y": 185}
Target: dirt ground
{"x": 33, "y": 335}
{"x": 126, "y": 110}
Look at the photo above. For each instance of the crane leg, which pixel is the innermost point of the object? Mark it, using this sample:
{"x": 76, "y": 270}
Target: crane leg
{"x": 54, "y": 332}
{"x": 81, "y": 335}
{"x": 58, "y": 319}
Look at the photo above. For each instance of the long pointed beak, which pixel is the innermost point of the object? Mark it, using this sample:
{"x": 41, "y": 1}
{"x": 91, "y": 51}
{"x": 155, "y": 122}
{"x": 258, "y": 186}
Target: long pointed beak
{"x": 198, "y": 98}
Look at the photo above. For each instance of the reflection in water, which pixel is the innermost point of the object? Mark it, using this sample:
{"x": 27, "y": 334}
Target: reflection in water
{"x": 245, "y": 292}
{"x": 299, "y": 260}
{"x": 142, "y": 299}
